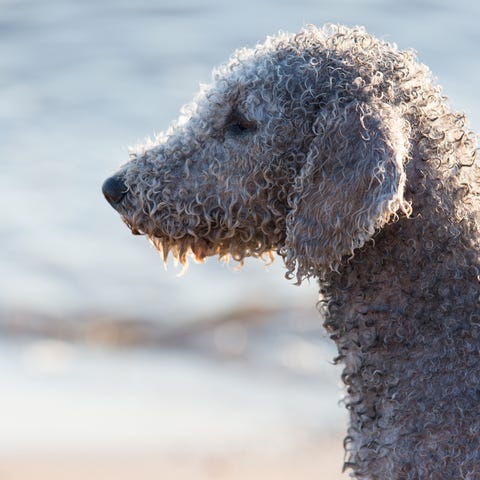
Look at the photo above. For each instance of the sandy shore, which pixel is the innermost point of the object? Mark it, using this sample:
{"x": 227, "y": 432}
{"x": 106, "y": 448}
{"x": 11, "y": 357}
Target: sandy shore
{"x": 322, "y": 460}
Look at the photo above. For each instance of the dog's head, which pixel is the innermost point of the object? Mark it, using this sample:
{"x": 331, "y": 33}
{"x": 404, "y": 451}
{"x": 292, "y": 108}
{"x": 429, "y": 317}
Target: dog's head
{"x": 289, "y": 149}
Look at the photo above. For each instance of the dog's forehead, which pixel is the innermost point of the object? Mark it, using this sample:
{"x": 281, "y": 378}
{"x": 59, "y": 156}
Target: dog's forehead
{"x": 251, "y": 78}
{"x": 261, "y": 61}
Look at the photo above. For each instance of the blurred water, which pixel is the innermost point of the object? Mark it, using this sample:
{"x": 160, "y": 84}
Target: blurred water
{"x": 76, "y": 398}
{"x": 79, "y": 82}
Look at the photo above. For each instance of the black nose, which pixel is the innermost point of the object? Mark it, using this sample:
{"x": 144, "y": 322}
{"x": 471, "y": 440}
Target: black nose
{"x": 114, "y": 190}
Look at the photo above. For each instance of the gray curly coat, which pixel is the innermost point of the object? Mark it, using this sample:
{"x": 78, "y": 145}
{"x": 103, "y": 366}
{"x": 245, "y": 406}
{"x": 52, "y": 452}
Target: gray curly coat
{"x": 339, "y": 152}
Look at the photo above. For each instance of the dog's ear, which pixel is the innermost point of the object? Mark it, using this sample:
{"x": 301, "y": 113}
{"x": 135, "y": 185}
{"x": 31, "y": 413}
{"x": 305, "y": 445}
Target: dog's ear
{"x": 351, "y": 184}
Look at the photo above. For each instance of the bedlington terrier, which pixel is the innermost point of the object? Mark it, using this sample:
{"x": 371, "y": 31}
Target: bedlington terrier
{"x": 339, "y": 152}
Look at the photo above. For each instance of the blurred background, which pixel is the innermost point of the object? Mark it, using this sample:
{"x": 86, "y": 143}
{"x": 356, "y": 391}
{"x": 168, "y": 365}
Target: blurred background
{"x": 112, "y": 366}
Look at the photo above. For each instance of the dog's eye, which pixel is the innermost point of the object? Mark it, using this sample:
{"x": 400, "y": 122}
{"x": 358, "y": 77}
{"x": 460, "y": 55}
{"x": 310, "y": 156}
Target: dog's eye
{"x": 238, "y": 127}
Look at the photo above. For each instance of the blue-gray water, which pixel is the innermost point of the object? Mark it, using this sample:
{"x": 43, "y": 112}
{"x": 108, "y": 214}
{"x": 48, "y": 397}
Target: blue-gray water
{"x": 79, "y": 83}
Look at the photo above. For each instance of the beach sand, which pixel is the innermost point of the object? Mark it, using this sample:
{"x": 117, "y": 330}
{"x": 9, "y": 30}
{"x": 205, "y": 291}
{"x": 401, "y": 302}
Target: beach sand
{"x": 321, "y": 460}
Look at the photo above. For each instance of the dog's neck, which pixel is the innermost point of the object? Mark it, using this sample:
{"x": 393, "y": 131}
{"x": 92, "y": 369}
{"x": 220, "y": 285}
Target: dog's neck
{"x": 417, "y": 272}
{"x": 404, "y": 315}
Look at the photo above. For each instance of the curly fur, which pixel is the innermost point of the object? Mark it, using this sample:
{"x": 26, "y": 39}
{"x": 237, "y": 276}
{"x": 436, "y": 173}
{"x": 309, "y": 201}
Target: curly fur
{"x": 339, "y": 152}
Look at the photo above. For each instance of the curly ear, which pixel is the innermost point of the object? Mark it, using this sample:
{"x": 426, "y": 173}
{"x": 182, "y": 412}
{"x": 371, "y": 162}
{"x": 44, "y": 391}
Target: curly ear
{"x": 351, "y": 185}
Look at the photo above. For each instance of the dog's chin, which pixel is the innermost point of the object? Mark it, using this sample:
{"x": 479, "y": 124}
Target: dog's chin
{"x": 181, "y": 245}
